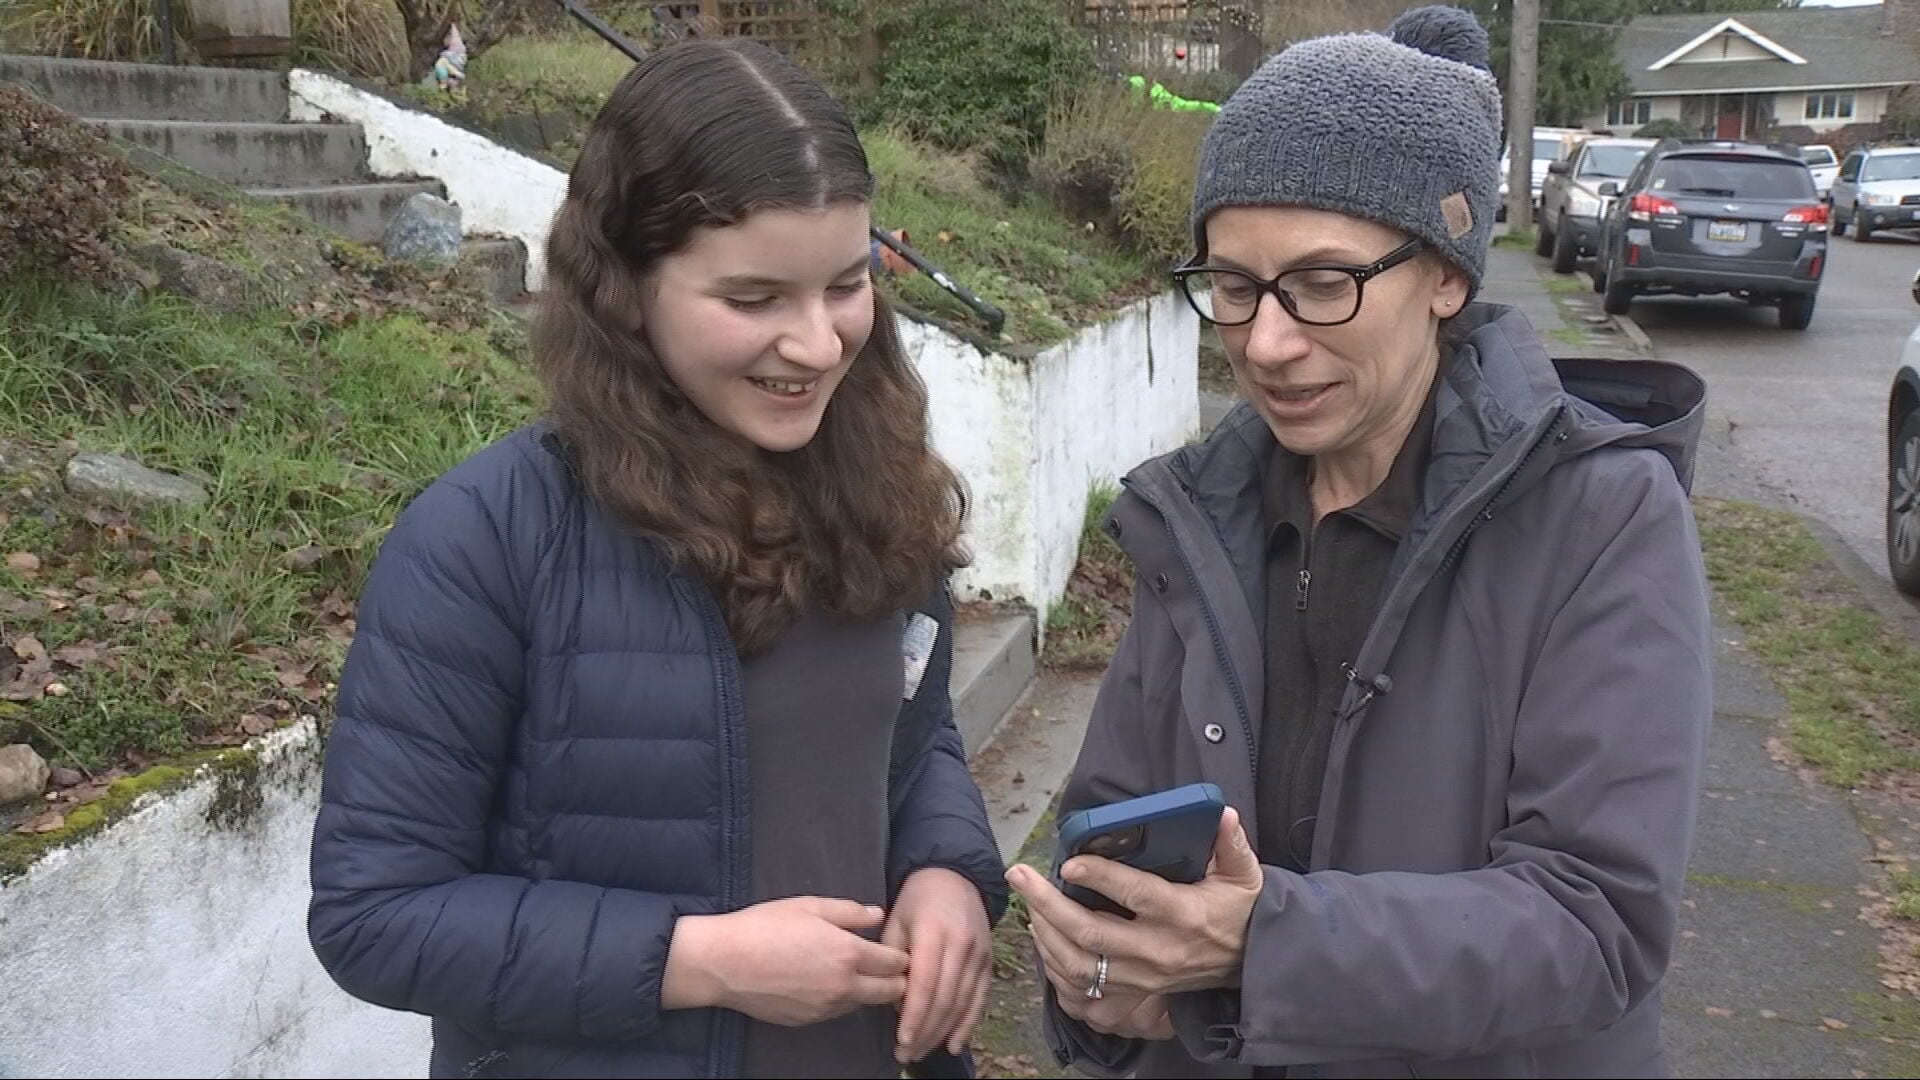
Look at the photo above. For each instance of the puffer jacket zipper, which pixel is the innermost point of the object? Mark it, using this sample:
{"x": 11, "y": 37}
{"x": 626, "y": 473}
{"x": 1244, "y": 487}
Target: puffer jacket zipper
{"x": 725, "y": 1050}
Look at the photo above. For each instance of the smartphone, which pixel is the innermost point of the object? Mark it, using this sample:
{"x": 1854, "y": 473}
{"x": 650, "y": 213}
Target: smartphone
{"x": 1169, "y": 833}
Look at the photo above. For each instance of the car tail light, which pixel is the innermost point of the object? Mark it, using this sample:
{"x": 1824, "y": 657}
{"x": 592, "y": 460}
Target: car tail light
{"x": 1633, "y": 254}
{"x": 1814, "y": 267}
{"x": 1813, "y": 217}
{"x": 1645, "y": 207}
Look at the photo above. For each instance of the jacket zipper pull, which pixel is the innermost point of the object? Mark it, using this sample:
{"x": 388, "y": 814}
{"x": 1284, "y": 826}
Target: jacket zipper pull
{"x": 1300, "y": 591}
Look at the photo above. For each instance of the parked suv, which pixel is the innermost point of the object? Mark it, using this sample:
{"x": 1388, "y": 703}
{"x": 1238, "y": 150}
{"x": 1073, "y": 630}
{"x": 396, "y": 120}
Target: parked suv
{"x": 1878, "y": 188}
{"x": 1699, "y": 217}
{"x": 1571, "y": 205}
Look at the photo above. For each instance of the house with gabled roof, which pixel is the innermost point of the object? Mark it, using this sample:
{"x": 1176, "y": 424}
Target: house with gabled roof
{"x": 1766, "y": 74}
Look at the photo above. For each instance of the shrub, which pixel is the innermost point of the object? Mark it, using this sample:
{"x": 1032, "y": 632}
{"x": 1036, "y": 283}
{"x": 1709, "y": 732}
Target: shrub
{"x": 1110, "y": 159}
{"x": 60, "y": 189}
{"x": 979, "y": 74}
{"x": 1664, "y": 128}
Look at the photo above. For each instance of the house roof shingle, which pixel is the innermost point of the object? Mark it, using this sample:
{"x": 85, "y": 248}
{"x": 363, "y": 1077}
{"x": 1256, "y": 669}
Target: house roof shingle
{"x": 1842, "y": 47}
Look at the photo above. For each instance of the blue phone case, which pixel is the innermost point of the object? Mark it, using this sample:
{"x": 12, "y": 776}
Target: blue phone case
{"x": 1169, "y": 833}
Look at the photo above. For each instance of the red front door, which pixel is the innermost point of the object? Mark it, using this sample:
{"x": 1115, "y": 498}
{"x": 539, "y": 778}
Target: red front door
{"x": 1732, "y": 112}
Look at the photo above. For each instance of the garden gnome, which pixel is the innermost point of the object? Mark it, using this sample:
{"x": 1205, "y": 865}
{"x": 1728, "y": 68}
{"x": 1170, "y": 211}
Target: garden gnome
{"x": 450, "y": 69}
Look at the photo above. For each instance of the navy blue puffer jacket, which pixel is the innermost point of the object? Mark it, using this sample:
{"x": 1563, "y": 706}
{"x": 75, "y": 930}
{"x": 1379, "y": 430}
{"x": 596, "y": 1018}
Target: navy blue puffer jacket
{"x": 538, "y": 763}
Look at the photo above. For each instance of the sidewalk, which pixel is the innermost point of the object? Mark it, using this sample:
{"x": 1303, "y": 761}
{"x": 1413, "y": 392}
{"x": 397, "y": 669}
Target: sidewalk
{"x": 1775, "y": 974}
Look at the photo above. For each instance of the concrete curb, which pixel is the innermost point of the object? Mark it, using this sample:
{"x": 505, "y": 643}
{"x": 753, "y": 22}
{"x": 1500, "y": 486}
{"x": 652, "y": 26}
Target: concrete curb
{"x": 1623, "y": 323}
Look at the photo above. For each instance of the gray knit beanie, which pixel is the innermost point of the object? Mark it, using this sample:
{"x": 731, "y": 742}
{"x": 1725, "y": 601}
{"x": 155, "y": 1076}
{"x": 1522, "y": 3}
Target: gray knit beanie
{"x": 1402, "y": 129}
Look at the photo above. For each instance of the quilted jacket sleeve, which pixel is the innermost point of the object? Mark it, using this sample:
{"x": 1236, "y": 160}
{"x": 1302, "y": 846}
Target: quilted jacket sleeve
{"x": 403, "y": 914}
{"x": 939, "y": 818}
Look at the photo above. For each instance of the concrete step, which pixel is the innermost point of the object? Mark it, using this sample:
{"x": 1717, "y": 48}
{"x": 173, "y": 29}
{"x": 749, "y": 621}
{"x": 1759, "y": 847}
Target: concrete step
{"x": 254, "y": 155}
{"x": 357, "y": 211}
{"x": 96, "y": 88}
{"x": 1031, "y": 754}
{"x": 993, "y": 660}
{"x": 495, "y": 266}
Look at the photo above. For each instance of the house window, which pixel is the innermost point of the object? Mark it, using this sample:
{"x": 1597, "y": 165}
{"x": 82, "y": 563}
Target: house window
{"x": 1630, "y": 113}
{"x": 1830, "y": 106}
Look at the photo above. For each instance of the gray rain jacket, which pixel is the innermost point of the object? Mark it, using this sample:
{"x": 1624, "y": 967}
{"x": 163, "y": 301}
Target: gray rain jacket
{"x": 1510, "y": 794}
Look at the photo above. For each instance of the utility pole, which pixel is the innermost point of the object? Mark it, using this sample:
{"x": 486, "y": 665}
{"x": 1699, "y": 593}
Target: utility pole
{"x": 1522, "y": 89}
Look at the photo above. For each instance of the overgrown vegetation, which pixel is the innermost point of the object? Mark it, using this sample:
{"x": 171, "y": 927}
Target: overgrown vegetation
{"x": 979, "y": 74}
{"x": 335, "y": 388}
{"x": 356, "y": 37}
{"x": 1852, "y": 683}
{"x": 1085, "y": 626}
{"x": 60, "y": 188}
{"x": 1110, "y": 158}
{"x": 100, "y": 29}
{"x": 1047, "y": 272}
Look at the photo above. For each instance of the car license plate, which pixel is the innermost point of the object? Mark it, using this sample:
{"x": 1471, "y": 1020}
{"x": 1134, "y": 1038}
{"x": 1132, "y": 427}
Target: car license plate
{"x": 1730, "y": 231}
{"x": 1915, "y": 214}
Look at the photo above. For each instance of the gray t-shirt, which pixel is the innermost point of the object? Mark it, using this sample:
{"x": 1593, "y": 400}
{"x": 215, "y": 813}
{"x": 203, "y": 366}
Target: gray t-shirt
{"x": 821, "y": 706}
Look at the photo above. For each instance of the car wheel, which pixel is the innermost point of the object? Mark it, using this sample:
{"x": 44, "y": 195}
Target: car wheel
{"x": 1838, "y": 224}
{"x": 1542, "y": 239}
{"x": 1861, "y": 233}
{"x": 1600, "y": 268}
{"x": 1903, "y": 505}
{"x": 1617, "y": 298}
{"x": 1565, "y": 250}
{"x": 1796, "y": 311}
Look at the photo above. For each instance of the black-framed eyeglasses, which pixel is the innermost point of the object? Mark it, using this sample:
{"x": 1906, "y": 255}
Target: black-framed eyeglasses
{"x": 1321, "y": 295}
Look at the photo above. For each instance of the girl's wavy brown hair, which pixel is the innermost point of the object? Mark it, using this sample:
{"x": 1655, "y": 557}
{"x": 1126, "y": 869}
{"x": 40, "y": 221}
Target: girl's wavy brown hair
{"x": 863, "y": 521}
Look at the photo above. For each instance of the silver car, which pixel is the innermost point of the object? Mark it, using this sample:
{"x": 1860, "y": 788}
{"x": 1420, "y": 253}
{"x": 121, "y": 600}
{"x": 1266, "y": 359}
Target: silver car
{"x": 1878, "y": 188}
{"x": 1903, "y": 465}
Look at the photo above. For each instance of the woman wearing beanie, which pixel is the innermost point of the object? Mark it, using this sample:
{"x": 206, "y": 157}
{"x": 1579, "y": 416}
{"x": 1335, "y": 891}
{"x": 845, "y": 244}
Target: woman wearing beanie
{"x": 1429, "y": 609}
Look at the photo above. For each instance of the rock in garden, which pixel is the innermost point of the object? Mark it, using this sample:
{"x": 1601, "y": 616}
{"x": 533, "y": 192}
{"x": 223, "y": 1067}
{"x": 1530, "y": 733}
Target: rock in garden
{"x": 23, "y": 773}
{"x": 426, "y": 230}
{"x": 117, "y": 479}
{"x": 208, "y": 282}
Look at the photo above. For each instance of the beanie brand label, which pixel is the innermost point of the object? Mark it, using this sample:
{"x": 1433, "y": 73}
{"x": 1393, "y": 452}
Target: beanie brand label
{"x": 1458, "y": 214}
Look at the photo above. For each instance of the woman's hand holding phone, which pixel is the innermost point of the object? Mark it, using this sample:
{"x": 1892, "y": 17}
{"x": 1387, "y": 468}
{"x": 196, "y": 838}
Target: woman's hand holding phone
{"x": 791, "y": 962}
{"x": 1183, "y": 937}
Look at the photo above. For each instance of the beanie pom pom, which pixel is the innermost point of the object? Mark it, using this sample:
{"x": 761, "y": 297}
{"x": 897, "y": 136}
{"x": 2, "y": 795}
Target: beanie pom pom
{"x": 1447, "y": 32}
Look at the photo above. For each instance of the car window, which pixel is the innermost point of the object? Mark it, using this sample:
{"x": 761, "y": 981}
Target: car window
{"x": 1891, "y": 167}
{"x": 1817, "y": 156}
{"x": 1546, "y": 148}
{"x": 1733, "y": 178}
{"x": 1611, "y": 162}
{"x": 1851, "y": 170}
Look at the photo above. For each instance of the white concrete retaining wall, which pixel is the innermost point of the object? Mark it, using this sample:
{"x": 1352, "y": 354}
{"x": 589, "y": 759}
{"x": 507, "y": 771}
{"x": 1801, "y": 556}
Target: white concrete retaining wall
{"x": 169, "y": 946}
{"x": 1034, "y": 436}
{"x": 500, "y": 192}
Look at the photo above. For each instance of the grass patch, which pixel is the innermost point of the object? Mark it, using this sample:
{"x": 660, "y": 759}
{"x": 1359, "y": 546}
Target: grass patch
{"x": 1851, "y": 682}
{"x": 1085, "y": 626}
{"x": 1049, "y": 274}
{"x": 1564, "y": 285}
{"x": 184, "y": 628}
{"x": 1906, "y": 894}
{"x": 1569, "y": 335}
{"x": 1520, "y": 239}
